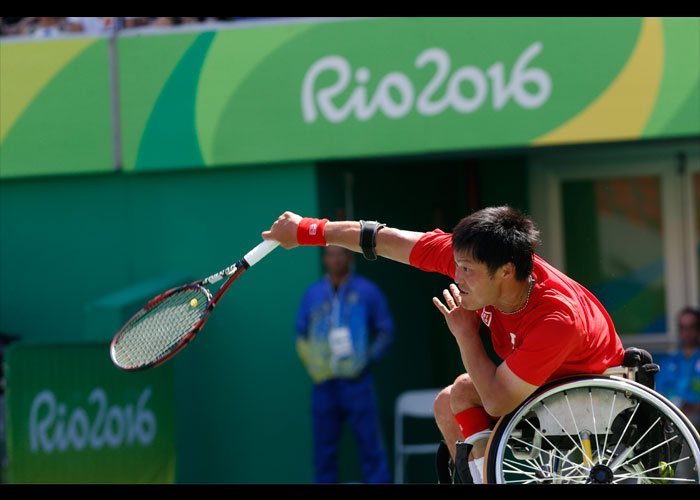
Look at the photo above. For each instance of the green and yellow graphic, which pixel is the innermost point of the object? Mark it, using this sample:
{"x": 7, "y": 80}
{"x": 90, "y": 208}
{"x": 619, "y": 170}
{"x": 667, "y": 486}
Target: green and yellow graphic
{"x": 55, "y": 115}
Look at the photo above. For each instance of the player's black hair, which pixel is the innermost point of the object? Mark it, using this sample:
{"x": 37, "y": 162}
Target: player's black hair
{"x": 495, "y": 236}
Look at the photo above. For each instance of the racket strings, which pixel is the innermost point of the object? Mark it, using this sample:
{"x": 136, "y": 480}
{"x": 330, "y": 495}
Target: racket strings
{"x": 153, "y": 334}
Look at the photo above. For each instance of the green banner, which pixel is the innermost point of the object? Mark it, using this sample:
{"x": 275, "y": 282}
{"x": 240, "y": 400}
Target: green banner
{"x": 79, "y": 419}
{"x": 306, "y": 91}
{"x": 406, "y": 85}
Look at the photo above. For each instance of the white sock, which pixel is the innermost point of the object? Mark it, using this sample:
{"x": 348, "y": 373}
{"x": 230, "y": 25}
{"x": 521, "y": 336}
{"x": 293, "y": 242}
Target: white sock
{"x": 476, "y": 467}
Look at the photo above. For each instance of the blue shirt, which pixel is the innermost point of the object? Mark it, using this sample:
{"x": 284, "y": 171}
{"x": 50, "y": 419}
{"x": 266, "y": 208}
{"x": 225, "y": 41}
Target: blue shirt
{"x": 334, "y": 328}
{"x": 679, "y": 378}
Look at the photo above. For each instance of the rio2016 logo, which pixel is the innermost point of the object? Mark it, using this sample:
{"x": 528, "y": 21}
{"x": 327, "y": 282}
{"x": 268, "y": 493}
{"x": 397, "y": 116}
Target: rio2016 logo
{"x": 53, "y": 428}
{"x": 404, "y": 94}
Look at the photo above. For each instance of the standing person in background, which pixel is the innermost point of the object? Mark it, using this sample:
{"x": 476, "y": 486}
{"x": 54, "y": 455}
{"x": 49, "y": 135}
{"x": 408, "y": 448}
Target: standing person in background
{"x": 334, "y": 323}
{"x": 679, "y": 378}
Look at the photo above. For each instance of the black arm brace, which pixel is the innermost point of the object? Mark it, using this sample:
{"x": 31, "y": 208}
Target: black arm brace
{"x": 368, "y": 238}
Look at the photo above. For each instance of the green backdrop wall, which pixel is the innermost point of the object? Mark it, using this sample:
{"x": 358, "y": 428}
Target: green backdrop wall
{"x": 67, "y": 242}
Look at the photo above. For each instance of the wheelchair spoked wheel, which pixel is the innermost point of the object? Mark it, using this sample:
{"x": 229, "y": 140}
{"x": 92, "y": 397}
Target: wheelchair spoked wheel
{"x": 594, "y": 429}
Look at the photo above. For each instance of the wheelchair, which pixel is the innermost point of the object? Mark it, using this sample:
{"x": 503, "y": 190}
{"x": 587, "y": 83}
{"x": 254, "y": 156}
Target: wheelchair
{"x": 595, "y": 429}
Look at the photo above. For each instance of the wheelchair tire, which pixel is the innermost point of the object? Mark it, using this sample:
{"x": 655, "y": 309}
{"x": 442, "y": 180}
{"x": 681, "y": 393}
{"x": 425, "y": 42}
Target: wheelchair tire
{"x": 594, "y": 429}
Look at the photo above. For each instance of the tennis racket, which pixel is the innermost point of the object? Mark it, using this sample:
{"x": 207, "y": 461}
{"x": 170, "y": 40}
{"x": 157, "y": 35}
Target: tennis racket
{"x": 170, "y": 320}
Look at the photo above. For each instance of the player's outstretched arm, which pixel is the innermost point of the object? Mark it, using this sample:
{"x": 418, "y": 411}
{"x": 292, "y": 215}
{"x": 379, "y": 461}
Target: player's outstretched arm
{"x": 391, "y": 243}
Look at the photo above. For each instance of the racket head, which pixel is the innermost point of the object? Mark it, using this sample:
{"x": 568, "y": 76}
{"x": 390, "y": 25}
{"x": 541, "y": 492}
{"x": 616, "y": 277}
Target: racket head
{"x": 161, "y": 328}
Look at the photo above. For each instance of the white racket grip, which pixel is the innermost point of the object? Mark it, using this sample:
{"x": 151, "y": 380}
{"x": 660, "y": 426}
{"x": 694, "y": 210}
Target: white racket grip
{"x": 260, "y": 251}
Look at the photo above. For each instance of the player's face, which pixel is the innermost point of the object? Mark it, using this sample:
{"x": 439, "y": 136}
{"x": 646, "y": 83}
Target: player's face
{"x": 476, "y": 286}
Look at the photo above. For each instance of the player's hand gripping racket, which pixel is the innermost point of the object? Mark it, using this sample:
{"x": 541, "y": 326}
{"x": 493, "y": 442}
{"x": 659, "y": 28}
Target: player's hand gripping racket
{"x": 169, "y": 321}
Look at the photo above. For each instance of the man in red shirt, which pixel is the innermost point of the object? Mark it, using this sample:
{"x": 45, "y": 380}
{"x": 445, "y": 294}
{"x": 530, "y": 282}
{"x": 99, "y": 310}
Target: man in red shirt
{"x": 543, "y": 324}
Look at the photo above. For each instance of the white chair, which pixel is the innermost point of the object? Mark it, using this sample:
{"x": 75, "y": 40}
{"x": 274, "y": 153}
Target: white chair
{"x": 416, "y": 404}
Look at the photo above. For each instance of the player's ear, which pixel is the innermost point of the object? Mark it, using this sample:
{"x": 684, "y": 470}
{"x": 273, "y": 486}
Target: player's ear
{"x": 507, "y": 270}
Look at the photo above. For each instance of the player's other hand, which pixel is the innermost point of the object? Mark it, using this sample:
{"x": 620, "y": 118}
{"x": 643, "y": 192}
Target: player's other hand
{"x": 460, "y": 321}
{"x": 284, "y": 230}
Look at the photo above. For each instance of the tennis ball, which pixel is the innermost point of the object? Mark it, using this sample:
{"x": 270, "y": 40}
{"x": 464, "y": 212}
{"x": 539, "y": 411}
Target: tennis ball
{"x": 194, "y": 302}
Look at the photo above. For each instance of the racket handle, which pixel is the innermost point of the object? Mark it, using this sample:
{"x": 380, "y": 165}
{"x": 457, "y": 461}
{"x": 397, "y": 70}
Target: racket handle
{"x": 260, "y": 251}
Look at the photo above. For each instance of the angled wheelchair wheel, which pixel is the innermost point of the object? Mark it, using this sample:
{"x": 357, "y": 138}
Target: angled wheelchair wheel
{"x": 594, "y": 429}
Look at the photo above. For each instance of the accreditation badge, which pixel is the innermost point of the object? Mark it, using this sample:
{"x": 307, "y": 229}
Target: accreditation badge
{"x": 340, "y": 342}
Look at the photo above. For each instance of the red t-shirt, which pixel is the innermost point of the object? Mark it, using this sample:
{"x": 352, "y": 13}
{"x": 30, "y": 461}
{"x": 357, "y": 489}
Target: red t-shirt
{"x": 564, "y": 330}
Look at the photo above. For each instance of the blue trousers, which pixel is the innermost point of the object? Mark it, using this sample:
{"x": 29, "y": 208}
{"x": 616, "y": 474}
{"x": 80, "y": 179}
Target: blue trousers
{"x": 341, "y": 400}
